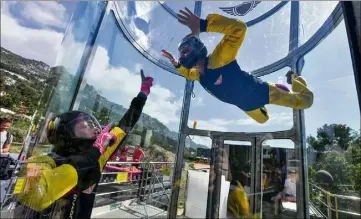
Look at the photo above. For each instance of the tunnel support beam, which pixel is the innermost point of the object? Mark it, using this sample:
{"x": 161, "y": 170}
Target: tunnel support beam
{"x": 215, "y": 178}
{"x": 89, "y": 51}
{"x": 299, "y": 124}
{"x": 351, "y": 13}
{"x": 173, "y": 205}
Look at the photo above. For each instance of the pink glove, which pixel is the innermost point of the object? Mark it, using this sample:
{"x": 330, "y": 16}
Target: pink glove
{"x": 105, "y": 138}
{"x": 147, "y": 82}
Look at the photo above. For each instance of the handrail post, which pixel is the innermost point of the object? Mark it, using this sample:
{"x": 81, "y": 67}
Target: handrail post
{"x": 336, "y": 207}
{"x": 329, "y": 207}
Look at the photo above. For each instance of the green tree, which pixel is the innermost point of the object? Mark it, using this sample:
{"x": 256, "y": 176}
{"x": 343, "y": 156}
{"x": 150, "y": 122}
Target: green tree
{"x": 337, "y": 165}
{"x": 339, "y": 152}
{"x": 329, "y": 135}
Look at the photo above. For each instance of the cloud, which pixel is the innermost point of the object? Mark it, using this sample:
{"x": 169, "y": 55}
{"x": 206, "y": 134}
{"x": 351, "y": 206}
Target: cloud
{"x": 144, "y": 9}
{"x": 120, "y": 85}
{"x": 222, "y": 125}
{"x": 198, "y": 101}
{"x": 38, "y": 44}
{"x": 206, "y": 141}
{"x": 70, "y": 53}
{"x": 218, "y": 124}
{"x": 45, "y": 13}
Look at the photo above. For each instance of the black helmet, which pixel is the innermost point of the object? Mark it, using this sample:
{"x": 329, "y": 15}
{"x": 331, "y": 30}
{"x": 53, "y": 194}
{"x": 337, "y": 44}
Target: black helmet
{"x": 72, "y": 132}
{"x": 191, "y": 49}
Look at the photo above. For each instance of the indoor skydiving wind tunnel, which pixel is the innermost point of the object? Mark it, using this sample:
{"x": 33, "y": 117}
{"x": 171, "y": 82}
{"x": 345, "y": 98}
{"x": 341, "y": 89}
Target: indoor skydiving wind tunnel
{"x": 204, "y": 158}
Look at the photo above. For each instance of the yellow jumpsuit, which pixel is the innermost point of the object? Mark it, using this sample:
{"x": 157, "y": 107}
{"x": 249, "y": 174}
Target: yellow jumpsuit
{"x": 44, "y": 183}
{"x": 241, "y": 89}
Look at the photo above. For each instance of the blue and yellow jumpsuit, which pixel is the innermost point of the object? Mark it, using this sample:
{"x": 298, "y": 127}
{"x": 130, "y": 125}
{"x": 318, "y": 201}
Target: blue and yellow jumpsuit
{"x": 238, "y": 87}
{"x": 64, "y": 187}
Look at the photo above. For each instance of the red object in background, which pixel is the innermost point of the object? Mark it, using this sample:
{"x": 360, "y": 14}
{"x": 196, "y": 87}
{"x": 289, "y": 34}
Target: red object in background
{"x": 138, "y": 154}
{"x": 115, "y": 155}
{"x": 124, "y": 154}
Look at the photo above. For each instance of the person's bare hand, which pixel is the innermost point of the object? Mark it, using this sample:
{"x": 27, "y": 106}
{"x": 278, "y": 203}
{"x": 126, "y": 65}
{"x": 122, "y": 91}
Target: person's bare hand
{"x": 168, "y": 55}
{"x": 190, "y": 20}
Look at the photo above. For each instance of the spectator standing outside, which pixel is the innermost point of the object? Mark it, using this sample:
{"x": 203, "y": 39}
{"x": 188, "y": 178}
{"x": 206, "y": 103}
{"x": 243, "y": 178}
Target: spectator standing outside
{"x": 6, "y": 137}
{"x": 138, "y": 154}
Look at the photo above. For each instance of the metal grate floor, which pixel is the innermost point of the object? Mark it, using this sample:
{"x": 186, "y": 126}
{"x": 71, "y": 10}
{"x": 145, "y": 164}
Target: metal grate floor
{"x": 128, "y": 209}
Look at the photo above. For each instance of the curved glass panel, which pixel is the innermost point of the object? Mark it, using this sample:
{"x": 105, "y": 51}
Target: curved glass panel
{"x": 237, "y": 168}
{"x": 64, "y": 75}
{"x": 152, "y": 26}
{"x": 177, "y": 5}
{"x": 264, "y": 43}
{"x": 111, "y": 82}
{"x": 212, "y": 114}
{"x": 312, "y": 15}
{"x": 115, "y": 76}
{"x": 333, "y": 127}
{"x": 244, "y": 10}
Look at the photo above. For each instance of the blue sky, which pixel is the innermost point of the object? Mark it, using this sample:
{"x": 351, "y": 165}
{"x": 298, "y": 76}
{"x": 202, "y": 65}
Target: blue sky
{"x": 35, "y": 30}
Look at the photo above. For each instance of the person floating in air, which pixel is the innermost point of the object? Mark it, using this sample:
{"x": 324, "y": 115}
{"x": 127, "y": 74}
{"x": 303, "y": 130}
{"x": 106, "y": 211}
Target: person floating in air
{"x": 220, "y": 74}
{"x": 62, "y": 184}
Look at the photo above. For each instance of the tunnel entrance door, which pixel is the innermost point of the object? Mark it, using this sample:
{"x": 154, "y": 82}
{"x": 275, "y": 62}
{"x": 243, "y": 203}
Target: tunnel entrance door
{"x": 244, "y": 168}
{"x": 235, "y": 160}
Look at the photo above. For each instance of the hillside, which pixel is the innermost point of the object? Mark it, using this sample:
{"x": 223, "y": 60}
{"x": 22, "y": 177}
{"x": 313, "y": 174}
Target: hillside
{"x": 23, "y": 81}
{"x": 21, "y": 64}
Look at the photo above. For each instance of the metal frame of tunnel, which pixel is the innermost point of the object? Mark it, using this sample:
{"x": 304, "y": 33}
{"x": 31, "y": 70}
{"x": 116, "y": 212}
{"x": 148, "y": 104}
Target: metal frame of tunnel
{"x": 294, "y": 60}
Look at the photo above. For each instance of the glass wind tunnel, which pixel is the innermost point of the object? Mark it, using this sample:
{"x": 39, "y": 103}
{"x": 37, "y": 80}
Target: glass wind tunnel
{"x": 97, "y": 71}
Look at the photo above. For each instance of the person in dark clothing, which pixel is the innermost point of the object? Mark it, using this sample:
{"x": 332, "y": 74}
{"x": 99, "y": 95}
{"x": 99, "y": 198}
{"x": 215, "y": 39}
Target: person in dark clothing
{"x": 63, "y": 184}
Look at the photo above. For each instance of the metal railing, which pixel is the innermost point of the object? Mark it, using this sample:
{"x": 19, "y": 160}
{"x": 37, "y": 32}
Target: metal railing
{"x": 334, "y": 206}
{"x": 149, "y": 184}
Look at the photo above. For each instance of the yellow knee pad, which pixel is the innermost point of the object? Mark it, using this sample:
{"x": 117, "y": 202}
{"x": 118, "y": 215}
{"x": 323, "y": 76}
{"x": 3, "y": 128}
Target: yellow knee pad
{"x": 260, "y": 115}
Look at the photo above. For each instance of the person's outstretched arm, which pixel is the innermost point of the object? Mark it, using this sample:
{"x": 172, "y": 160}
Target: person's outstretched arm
{"x": 234, "y": 33}
{"x": 43, "y": 182}
{"x": 128, "y": 121}
{"x": 189, "y": 74}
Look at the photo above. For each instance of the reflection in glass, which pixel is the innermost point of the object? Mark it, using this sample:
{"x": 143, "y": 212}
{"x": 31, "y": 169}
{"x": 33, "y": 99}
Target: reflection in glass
{"x": 110, "y": 83}
{"x": 312, "y": 16}
{"x": 63, "y": 76}
{"x": 333, "y": 128}
{"x": 152, "y": 27}
{"x": 280, "y": 169}
{"x": 237, "y": 167}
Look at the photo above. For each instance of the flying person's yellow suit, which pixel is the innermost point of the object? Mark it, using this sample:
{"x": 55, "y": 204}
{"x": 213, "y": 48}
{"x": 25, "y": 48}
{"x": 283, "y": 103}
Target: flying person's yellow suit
{"x": 224, "y": 78}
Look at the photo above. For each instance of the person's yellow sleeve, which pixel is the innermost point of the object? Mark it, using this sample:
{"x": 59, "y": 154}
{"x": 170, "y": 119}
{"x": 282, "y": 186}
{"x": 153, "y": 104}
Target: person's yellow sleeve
{"x": 119, "y": 134}
{"x": 234, "y": 33}
{"x": 43, "y": 183}
{"x": 190, "y": 74}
